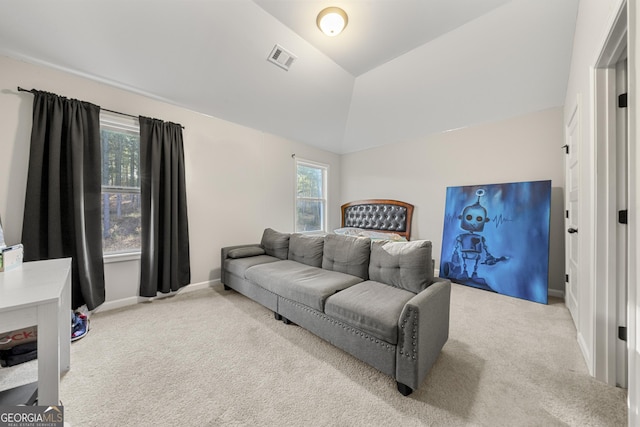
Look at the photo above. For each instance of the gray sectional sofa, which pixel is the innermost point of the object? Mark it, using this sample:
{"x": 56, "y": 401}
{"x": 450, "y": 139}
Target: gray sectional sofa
{"x": 375, "y": 300}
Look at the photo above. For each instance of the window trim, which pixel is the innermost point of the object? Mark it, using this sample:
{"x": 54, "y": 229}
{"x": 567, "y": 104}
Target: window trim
{"x": 113, "y": 257}
{"x": 325, "y": 194}
{"x": 119, "y": 123}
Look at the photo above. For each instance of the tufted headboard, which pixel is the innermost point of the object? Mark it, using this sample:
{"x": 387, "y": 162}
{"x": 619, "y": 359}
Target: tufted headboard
{"x": 391, "y": 216}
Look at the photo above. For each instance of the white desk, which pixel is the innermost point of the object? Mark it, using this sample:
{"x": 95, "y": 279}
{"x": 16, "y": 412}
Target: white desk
{"x": 39, "y": 293}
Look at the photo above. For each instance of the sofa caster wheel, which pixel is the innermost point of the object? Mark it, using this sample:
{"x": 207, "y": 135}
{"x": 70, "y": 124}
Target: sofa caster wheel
{"x": 404, "y": 390}
{"x": 286, "y": 321}
{"x": 277, "y": 316}
{"x": 226, "y": 288}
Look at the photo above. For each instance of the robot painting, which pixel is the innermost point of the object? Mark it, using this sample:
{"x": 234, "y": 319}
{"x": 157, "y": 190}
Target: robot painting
{"x": 496, "y": 237}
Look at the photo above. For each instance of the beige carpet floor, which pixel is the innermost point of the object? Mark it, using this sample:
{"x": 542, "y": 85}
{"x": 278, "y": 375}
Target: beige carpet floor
{"x": 215, "y": 358}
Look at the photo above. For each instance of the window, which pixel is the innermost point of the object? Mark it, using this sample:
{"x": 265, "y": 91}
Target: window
{"x": 311, "y": 196}
{"x": 120, "y": 143}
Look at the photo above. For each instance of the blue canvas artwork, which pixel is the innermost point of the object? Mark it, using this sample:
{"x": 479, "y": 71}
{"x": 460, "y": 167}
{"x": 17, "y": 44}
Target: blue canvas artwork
{"x": 496, "y": 237}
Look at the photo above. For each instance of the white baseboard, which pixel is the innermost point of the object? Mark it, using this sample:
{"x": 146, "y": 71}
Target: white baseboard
{"x": 584, "y": 348}
{"x": 119, "y": 303}
{"x": 556, "y": 293}
{"x": 125, "y": 302}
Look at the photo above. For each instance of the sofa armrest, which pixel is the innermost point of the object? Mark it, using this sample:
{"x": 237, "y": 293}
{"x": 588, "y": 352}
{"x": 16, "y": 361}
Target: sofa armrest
{"x": 224, "y": 254}
{"x": 423, "y": 330}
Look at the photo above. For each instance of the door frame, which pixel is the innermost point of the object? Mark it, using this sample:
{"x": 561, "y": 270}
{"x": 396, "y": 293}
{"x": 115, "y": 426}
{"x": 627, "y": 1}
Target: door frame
{"x": 605, "y": 110}
{"x": 633, "y": 297}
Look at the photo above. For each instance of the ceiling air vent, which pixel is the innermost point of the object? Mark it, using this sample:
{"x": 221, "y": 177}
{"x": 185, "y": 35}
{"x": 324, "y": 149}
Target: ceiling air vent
{"x": 281, "y": 57}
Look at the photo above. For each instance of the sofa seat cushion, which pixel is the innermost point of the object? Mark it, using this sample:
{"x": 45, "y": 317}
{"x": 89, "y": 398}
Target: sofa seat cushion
{"x": 307, "y": 285}
{"x": 371, "y": 307}
{"x": 238, "y": 266}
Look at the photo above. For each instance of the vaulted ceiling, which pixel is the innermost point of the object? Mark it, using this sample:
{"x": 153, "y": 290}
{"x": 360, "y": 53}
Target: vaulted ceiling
{"x": 402, "y": 69}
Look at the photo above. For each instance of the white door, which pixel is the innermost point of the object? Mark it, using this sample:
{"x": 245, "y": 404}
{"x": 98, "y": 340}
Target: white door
{"x": 572, "y": 179}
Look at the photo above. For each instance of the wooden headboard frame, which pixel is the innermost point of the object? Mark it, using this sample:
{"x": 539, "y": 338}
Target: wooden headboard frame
{"x": 395, "y": 207}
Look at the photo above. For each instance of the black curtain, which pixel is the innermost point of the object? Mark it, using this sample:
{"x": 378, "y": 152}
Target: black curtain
{"x": 164, "y": 264}
{"x": 62, "y": 215}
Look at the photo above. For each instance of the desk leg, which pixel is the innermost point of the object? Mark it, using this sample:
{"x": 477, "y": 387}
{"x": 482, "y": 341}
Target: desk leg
{"x": 65, "y": 326}
{"x": 49, "y": 352}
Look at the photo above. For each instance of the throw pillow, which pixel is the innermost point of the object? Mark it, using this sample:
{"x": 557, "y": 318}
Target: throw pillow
{"x": 245, "y": 252}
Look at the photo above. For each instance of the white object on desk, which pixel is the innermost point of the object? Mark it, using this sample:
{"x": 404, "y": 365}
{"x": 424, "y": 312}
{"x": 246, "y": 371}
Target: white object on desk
{"x": 11, "y": 257}
{"x": 39, "y": 293}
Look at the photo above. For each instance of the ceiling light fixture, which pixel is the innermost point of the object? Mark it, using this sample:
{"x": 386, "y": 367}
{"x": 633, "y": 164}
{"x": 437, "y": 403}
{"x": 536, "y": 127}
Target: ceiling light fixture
{"x": 332, "y": 21}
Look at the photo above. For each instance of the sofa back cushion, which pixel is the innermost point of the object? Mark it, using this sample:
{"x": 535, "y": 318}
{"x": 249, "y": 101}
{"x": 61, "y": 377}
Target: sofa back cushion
{"x": 306, "y": 249}
{"x": 405, "y": 265}
{"x": 275, "y": 243}
{"x": 347, "y": 254}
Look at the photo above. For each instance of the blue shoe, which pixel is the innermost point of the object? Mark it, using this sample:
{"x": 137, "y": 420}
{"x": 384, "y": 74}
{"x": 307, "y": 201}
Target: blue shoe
{"x": 79, "y": 326}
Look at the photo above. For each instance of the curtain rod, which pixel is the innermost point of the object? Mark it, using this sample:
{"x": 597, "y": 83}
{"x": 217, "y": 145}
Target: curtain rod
{"x": 104, "y": 109}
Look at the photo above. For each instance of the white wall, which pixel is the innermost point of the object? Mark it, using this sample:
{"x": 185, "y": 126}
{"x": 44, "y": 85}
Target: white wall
{"x": 419, "y": 93}
{"x": 239, "y": 180}
{"x": 525, "y": 148}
